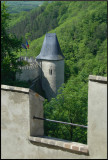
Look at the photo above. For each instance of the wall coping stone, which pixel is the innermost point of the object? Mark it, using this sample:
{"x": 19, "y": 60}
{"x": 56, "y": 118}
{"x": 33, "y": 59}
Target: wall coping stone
{"x": 14, "y": 88}
{"x": 98, "y": 78}
{"x": 20, "y": 89}
{"x": 74, "y": 147}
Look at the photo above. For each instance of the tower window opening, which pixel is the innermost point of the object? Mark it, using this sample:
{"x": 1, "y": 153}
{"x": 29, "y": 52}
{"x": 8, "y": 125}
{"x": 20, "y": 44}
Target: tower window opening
{"x": 50, "y": 71}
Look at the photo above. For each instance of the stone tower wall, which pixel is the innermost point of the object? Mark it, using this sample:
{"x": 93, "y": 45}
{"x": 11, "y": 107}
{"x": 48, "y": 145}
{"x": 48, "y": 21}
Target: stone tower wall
{"x": 52, "y": 77}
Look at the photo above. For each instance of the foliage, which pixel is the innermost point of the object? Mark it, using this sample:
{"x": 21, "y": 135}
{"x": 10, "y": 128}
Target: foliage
{"x": 16, "y": 18}
{"x": 18, "y": 6}
{"x": 9, "y": 43}
{"x": 36, "y": 22}
{"x": 23, "y": 63}
{"x": 18, "y": 83}
{"x": 69, "y": 106}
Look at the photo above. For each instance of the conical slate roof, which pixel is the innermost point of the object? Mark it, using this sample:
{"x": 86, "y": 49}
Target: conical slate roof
{"x": 50, "y": 49}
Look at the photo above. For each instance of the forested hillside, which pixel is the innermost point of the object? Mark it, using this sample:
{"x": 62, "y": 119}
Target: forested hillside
{"x": 18, "y": 6}
{"x": 36, "y": 22}
{"x": 81, "y": 28}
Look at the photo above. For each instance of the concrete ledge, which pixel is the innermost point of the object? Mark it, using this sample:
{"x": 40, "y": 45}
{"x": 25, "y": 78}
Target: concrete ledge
{"x": 75, "y": 147}
{"x": 98, "y": 78}
{"x": 13, "y": 88}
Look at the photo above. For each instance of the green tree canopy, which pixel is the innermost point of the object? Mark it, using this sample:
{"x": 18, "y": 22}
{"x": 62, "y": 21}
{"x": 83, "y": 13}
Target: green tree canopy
{"x": 9, "y": 43}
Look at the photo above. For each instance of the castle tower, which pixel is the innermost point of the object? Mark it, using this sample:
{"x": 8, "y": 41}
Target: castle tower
{"x": 51, "y": 61}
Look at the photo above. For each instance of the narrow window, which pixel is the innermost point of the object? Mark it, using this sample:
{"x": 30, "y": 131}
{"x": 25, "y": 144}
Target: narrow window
{"x": 50, "y": 71}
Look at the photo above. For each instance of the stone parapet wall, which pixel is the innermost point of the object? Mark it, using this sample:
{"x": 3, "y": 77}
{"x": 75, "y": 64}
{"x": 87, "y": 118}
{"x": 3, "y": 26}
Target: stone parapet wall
{"x": 28, "y": 59}
{"x": 28, "y": 72}
{"x": 29, "y": 67}
{"x": 18, "y": 106}
{"x": 22, "y": 137}
{"x": 97, "y": 117}
{"x": 16, "y": 102}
